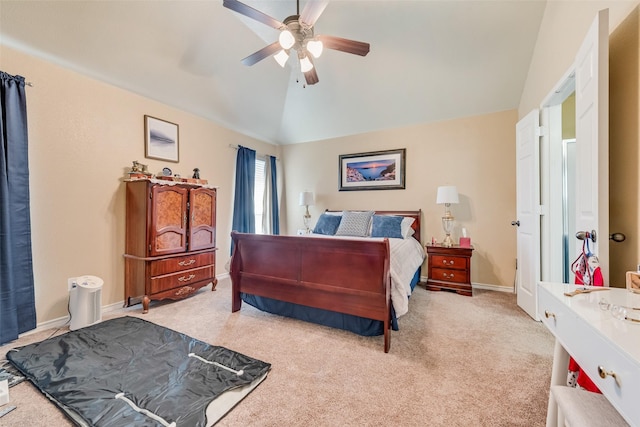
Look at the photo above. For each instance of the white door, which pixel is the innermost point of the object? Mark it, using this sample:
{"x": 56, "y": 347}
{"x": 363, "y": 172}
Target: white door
{"x": 591, "y": 67}
{"x": 527, "y": 209}
{"x": 592, "y": 138}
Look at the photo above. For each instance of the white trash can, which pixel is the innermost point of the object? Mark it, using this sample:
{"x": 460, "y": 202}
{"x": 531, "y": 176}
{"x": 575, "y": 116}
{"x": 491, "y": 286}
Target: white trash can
{"x": 85, "y": 301}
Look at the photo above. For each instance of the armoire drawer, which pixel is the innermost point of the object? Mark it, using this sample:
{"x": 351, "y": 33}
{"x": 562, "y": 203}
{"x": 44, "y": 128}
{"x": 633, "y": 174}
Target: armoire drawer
{"x": 181, "y": 278}
{"x": 171, "y": 265}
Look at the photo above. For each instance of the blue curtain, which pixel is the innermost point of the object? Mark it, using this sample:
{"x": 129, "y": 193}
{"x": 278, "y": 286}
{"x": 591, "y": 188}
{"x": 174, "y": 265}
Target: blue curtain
{"x": 275, "y": 212}
{"x": 17, "y": 299}
{"x": 244, "y": 211}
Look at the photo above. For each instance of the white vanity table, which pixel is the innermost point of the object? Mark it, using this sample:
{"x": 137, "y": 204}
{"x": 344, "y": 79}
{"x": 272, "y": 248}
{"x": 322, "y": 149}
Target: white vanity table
{"x": 603, "y": 345}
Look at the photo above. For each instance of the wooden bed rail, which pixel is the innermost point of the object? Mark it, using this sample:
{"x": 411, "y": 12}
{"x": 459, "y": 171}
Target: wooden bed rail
{"x": 341, "y": 275}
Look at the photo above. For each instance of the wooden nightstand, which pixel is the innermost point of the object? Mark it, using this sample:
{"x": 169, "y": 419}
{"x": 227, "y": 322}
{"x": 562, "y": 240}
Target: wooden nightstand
{"x": 449, "y": 269}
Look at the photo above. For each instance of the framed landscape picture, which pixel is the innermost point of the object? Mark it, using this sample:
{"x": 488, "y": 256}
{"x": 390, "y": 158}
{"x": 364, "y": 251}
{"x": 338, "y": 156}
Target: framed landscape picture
{"x": 376, "y": 170}
{"x": 161, "y": 139}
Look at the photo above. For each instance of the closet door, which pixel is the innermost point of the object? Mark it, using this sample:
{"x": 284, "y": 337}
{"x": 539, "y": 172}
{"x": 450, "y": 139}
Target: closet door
{"x": 168, "y": 228}
{"x": 202, "y": 212}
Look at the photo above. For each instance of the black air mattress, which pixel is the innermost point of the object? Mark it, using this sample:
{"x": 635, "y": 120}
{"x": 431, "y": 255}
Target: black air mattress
{"x": 83, "y": 371}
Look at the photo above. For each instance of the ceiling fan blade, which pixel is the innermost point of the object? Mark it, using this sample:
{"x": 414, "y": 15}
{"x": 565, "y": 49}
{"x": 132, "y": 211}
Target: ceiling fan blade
{"x": 252, "y": 13}
{"x": 262, "y": 53}
{"x": 311, "y": 77}
{"x": 312, "y": 11}
{"x": 345, "y": 45}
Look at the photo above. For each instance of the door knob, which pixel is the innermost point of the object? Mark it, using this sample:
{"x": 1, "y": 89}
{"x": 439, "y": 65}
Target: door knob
{"x": 617, "y": 237}
{"x": 516, "y": 223}
{"x": 586, "y": 235}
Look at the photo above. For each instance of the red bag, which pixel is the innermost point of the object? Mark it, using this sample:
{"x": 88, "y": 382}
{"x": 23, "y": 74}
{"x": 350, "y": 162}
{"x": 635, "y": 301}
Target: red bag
{"x": 586, "y": 267}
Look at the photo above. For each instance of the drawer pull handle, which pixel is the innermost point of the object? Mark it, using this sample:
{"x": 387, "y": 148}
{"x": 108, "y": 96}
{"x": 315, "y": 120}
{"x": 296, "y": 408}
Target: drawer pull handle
{"x": 604, "y": 373}
{"x": 549, "y": 314}
{"x": 183, "y": 263}
{"x": 447, "y": 276}
{"x": 186, "y": 278}
{"x": 444, "y": 261}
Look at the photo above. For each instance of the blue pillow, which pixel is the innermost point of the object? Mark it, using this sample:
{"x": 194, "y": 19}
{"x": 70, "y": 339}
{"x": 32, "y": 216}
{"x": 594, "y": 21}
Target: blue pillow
{"x": 327, "y": 224}
{"x": 387, "y": 226}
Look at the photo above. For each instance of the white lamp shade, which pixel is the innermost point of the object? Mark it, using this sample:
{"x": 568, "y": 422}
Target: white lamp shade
{"x": 447, "y": 194}
{"x": 281, "y": 58}
{"x": 306, "y": 198}
{"x": 305, "y": 64}
{"x": 315, "y": 48}
{"x": 286, "y": 39}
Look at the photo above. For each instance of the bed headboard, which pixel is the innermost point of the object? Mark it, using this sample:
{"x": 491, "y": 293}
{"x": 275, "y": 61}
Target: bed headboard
{"x": 411, "y": 214}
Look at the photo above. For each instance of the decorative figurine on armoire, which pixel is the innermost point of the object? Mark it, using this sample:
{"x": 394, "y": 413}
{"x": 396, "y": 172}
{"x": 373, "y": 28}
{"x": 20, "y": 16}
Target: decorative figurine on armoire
{"x": 196, "y": 173}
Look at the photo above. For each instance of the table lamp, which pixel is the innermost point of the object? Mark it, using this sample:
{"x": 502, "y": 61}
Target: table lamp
{"x": 446, "y": 196}
{"x": 306, "y": 200}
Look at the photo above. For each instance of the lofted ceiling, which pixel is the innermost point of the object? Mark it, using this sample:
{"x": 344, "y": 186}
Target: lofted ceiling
{"x": 429, "y": 60}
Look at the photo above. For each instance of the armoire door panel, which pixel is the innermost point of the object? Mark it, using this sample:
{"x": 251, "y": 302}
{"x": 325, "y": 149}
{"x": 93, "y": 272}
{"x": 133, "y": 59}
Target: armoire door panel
{"x": 168, "y": 219}
{"x": 202, "y": 231}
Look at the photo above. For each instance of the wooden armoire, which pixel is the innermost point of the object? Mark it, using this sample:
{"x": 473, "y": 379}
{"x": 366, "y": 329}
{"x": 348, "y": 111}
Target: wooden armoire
{"x": 170, "y": 240}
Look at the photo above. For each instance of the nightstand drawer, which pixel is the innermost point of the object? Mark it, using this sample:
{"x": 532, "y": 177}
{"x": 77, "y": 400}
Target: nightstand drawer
{"x": 448, "y": 261}
{"x": 448, "y": 275}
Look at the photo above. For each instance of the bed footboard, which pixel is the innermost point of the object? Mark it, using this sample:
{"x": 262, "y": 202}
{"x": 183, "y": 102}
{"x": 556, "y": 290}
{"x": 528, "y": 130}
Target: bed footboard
{"x": 345, "y": 276}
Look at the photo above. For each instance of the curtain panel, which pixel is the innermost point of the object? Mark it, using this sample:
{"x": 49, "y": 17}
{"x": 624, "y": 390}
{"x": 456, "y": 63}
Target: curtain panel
{"x": 244, "y": 220}
{"x": 271, "y": 210}
{"x": 17, "y": 297}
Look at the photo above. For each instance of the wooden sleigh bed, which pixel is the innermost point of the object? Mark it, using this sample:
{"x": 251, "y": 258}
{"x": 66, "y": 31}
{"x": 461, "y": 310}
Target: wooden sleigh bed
{"x": 344, "y": 276}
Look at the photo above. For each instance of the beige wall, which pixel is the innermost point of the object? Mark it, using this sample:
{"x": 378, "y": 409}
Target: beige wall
{"x": 83, "y": 136}
{"x": 624, "y": 139}
{"x": 569, "y": 117}
{"x": 563, "y": 27}
{"x": 477, "y": 154}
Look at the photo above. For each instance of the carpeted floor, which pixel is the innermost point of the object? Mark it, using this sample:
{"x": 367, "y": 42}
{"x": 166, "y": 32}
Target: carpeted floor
{"x": 456, "y": 361}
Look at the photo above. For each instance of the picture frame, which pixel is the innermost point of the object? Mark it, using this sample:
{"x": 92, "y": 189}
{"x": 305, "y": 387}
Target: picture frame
{"x": 374, "y": 170}
{"x": 161, "y": 140}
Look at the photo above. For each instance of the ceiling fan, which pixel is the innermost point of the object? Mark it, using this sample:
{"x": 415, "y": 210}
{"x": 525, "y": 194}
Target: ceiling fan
{"x": 296, "y": 33}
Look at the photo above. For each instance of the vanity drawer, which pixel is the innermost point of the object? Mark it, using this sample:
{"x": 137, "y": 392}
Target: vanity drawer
{"x": 181, "y": 278}
{"x": 555, "y": 315}
{"x": 171, "y": 265}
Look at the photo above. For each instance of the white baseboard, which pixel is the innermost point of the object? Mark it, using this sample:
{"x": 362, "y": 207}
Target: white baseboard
{"x": 485, "y": 286}
{"x": 116, "y": 306}
{"x": 119, "y": 306}
{"x": 493, "y": 287}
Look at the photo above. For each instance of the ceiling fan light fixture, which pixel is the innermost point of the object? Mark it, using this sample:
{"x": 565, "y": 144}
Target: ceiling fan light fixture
{"x": 286, "y": 39}
{"x": 305, "y": 64}
{"x": 315, "y": 48}
{"x": 281, "y": 58}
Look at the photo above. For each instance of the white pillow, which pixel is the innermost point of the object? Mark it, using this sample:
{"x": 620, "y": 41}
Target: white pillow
{"x": 405, "y": 227}
{"x": 355, "y": 224}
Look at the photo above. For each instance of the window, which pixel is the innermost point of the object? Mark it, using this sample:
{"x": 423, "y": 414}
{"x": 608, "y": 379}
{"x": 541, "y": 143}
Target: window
{"x": 258, "y": 194}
